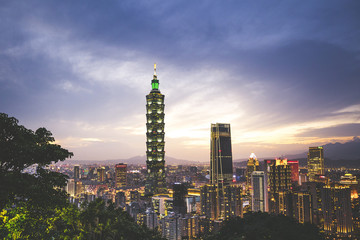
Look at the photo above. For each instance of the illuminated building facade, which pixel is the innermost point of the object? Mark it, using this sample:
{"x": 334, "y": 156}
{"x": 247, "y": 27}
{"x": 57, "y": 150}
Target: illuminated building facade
{"x": 120, "y": 175}
{"x": 221, "y": 173}
{"x": 208, "y": 199}
{"x": 337, "y": 210}
{"x": 229, "y": 204}
{"x": 315, "y": 164}
{"x": 294, "y": 168}
{"x": 349, "y": 180}
{"x": 303, "y": 207}
{"x": 279, "y": 177}
{"x": 155, "y": 144}
{"x": 101, "y": 174}
{"x": 252, "y": 165}
{"x": 259, "y": 192}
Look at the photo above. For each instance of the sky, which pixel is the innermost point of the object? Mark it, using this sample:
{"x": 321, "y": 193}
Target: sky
{"x": 284, "y": 74}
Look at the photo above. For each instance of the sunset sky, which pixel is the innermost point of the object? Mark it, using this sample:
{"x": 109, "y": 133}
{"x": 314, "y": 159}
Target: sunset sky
{"x": 284, "y": 74}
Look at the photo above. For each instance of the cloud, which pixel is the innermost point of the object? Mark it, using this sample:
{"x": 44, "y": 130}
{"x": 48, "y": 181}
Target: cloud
{"x": 279, "y": 73}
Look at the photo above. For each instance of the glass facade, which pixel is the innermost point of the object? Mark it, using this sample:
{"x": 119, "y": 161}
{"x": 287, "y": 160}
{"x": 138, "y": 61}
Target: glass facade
{"x": 315, "y": 162}
{"x": 221, "y": 155}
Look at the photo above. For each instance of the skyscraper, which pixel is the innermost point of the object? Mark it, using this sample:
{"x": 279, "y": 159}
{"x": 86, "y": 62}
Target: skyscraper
{"x": 155, "y": 144}
{"x": 221, "y": 155}
{"x": 259, "y": 192}
{"x": 315, "y": 162}
{"x": 336, "y": 205}
{"x": 120, "y": 175}
{"x": 252, "y": 165}
{"x": 280, "y": 182}
{"x": 179, "y": 194}
{"x": 294, "y": 166}
{"x": 76, "y": 172}
{"x": 101, "y": 174}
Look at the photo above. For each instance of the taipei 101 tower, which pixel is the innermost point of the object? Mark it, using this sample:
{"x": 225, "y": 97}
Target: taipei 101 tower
{"x": 155, "y": 153}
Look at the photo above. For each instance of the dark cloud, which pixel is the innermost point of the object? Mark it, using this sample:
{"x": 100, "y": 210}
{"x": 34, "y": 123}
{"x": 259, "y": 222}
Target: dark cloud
{"x": 343, "y": 130}
{"x": 285, "y": 62}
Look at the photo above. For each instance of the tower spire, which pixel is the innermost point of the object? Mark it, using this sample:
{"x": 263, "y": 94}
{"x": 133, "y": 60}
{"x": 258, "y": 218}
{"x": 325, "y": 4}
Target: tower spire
{"x": 155, "y": 81}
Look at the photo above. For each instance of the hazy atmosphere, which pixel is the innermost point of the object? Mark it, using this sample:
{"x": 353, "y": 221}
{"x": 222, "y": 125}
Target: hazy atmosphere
{"x": 284, "y": 74}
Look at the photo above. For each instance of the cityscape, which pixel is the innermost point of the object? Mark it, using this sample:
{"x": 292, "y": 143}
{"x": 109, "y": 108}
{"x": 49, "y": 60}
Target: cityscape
{"x": 174, "y": 120}
{"x": 188, "y": 201}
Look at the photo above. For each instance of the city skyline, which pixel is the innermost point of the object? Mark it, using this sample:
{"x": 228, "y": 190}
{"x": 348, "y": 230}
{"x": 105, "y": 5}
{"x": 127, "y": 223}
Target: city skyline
{"x": 285, "y": 75}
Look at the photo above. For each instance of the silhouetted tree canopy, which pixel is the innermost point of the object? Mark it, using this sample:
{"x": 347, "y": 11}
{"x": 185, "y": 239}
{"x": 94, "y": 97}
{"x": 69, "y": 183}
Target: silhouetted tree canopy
{"x": 33, "y": 206}
{"x": 260, "y": 225}
{"x": 21, "y": 148}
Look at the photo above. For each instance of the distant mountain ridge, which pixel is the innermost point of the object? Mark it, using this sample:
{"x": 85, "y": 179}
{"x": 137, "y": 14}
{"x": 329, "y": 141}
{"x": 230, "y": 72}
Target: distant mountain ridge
{"x": 337, "y": 151}
{"x": 137, "y": 160}
{"x": 349, "y": 151}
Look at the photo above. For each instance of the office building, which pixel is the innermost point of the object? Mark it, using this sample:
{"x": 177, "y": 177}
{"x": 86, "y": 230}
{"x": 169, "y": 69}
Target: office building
{"x": 259, "y": 192}
{"x": 101, "y": 174}
{"x": 229, "y": 204}
{"x": 208, "y": 201}
{"x": 294, "y": 168}
{"x": 279, "y": 180}
{"x": 155, "y": 142}
{"x": 337, "y": 210}
{"x": 179, "y": 198}
{"x": 190, "y": 227}
{"x": 251, "y": 166}
{"x": 303, "y": 207}
{"x": 76, "y": 172}
{"x": 171, "y": 226}
{"x": 221, "y": 168}
{"x": 120, "y": 175}
{"x": 315, "y": 164}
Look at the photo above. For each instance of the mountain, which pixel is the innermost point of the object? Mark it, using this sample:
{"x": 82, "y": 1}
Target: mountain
{"x": 137, "y": 160}
{"x": 349, "y": 150}
{"x": 337, "y": 151}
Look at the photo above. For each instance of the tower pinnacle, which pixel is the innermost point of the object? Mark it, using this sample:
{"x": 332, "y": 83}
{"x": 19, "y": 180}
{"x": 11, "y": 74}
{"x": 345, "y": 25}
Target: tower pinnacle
{"x": 155, "y": 81}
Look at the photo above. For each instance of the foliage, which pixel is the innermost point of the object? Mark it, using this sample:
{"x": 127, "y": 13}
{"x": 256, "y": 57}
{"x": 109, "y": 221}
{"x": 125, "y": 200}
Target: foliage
{"x": 33, "y": 206}
{"x": 21, "y": 148}
{"x": 265, "y": 226}
{"x": 107, "y": 222}
{"x": 94, "y": 221}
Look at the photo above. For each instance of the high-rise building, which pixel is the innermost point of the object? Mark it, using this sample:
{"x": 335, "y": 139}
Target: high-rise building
{"x": 155, "y": 144}
{"x": 337, "y": 210}
{"x": 315, "y": 162}
{"x": 303, "y": 207}
{"x": 279, "y": 181}
{"x": 179, "y": 195}
{"x": 208, "y": 199}
{"x": 220, "y": 203}
{"x": 294, "y": 168}
{"x": 120, "y": 175}
{"x": 101, "y": 174}
{"x": 221, "y": 172}
{"x": 190, "y": 227}
{"x": 251, "y": 166}
{"x": 231, "y": 205}
{"x": 76, "y": 172}
{"x": 171, "y": 226}
{"x": 259, "y": 192}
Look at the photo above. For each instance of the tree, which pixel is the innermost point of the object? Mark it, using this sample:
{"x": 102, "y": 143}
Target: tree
{"x": 21, "y": 148}
{"x": 265, "y": 226}
{"x": 33, "y": 206}
{"x": 104, "y": 221}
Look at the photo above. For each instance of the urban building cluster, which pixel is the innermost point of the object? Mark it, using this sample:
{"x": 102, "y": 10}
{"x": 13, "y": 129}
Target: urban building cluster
{"x": 188, "y": 201}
